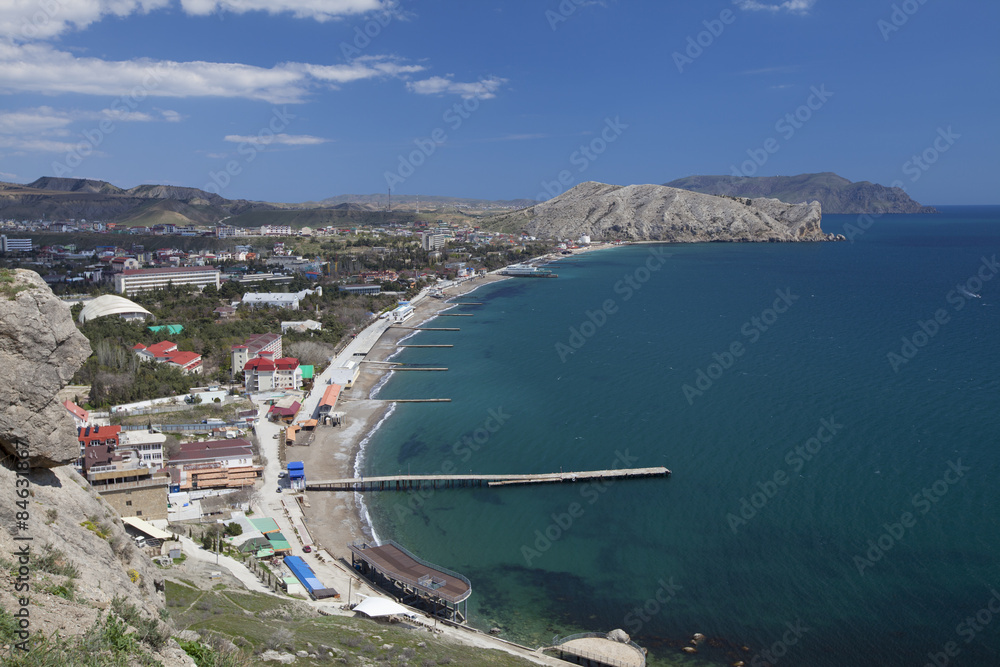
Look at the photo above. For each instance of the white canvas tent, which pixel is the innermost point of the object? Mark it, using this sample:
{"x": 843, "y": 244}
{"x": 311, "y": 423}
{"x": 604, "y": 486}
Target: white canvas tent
{"x": 375, "y": 606}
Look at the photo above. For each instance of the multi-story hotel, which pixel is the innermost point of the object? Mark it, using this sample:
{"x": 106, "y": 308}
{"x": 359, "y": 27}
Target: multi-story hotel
{"x": 131, "y": 281}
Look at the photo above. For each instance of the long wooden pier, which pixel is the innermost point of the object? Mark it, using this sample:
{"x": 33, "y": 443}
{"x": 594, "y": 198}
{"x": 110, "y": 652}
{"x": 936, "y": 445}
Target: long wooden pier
{"x": 425, "y": 346}
{"x": 454, "y": 314}
{"x": 426, "y": 328}
{"x": 467, "y": 303}
{"x": 405, "y": 482}
{"x": 417, "y": 368}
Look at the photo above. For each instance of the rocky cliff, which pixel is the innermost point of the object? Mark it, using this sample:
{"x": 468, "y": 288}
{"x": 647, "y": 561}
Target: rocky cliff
{"x": 40, "y": 350}
{"x": 835, "y": 193}
{"x": 78, "y": 562}
{"x": 660, "y": 213}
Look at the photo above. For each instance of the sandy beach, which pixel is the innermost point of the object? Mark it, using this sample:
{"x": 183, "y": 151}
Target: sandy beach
{"x": 334, "y": 519}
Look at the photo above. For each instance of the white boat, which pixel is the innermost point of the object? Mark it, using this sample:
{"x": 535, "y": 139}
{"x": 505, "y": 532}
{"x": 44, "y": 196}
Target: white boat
{"x": 527, "y": 271}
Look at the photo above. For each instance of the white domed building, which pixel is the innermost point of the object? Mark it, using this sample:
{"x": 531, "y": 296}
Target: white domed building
{"x": 112, "y": 304}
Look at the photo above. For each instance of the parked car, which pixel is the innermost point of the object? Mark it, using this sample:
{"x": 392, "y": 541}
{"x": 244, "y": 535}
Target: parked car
{"x": 281, "y": 474}
{"x": 307, "y": 549}
{"x": 279, "y": 489}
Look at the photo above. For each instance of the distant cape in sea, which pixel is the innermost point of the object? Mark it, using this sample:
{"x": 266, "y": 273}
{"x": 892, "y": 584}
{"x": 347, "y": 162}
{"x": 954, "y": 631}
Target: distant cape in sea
{"x": 835, "y": 193}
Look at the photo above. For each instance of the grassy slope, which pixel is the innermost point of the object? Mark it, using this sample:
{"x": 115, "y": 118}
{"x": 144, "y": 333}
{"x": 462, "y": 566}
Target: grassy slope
{"x": 257, "y": 621}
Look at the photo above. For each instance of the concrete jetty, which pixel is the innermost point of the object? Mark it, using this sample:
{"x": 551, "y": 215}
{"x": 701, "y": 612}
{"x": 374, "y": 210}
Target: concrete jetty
{"x": 405, "y": 482}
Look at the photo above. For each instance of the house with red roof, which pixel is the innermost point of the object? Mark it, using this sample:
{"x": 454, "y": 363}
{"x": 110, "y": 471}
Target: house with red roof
{"x": 81, "y": 417}
{"x": 166, "y": 352}
{"x": 264, "y": 373}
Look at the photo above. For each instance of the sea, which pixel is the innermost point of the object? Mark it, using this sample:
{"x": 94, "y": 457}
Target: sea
{"x": 829, "y": 413}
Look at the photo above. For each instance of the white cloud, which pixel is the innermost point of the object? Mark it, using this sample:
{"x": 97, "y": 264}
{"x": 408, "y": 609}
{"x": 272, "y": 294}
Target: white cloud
{"x": 39, "y": 68}
{"x": 319, "y": 10}
{"x": 43, "y": 19}
{"x": 26, "y": 20}
{"x": 791, "y": 6}
{"x": 282, "y": 139}
{"x": 7, "y": 176}
{"x": 47, "y": 130}
{"x": 483, "y": 89}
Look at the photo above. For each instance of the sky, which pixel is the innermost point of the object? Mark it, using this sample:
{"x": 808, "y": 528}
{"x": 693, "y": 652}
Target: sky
{"x": 298, "y": 100}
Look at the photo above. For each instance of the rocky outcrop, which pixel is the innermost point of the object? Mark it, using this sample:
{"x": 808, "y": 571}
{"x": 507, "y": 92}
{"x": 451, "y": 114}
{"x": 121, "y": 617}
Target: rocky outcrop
{"x": 835, "y": 193}
{"x": 40, "y": 350}
{"x": 659, "y": 213}
{"x": 79, "y": 560}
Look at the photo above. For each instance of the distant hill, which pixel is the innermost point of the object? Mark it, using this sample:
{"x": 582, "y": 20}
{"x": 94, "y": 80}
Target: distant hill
{"x": 83, "y": 199}
{"x": 50, "y": 198}
{"x": 412, "y": 202}
{"x": 660, "y": 213}
{"x": 835, "y": 193}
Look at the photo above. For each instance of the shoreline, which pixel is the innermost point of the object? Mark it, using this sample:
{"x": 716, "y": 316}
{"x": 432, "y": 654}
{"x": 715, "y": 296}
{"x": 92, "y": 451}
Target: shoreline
{"x": 337, "y": 519}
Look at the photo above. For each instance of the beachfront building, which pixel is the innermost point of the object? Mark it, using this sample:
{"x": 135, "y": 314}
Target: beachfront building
{"x": 264, "y": 373}
{"x": 252, "y": 347}
{"x": 401, "y": 313}
{"x": 166, "y": 352}
{"x": 132, "y": 281}
{"x": 328, "y": 404}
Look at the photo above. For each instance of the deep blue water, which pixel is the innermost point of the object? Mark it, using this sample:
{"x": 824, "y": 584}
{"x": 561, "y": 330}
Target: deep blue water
{"x": 814, "y": 364}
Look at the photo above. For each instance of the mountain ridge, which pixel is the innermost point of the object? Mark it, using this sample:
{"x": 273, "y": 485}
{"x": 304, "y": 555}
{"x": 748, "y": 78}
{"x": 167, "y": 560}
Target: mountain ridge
{"x": 836, "y": 194}
{"x": 649, "y": 212}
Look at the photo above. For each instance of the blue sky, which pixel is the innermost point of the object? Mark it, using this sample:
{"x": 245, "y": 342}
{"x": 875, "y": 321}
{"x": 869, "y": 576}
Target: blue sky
{"x": 290, "y": 100}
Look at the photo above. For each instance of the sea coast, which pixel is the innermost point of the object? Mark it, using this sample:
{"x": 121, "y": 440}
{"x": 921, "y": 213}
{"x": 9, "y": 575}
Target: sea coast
{"x": 335, "y": 519}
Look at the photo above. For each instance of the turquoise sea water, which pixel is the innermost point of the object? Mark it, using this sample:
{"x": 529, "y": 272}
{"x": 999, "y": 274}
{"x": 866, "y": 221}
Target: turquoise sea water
{"x": 823, "y": 552}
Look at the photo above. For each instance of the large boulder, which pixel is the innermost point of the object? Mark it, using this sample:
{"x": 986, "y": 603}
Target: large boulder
{"x": 40, "y": 350}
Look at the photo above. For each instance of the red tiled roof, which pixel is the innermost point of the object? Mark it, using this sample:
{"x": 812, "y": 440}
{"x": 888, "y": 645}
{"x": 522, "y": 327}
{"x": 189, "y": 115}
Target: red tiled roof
{"x": 330, "y": 396}
{"x": 76, "y": 410}
{"x": 183, "y": 358}
{"x": 162, "y": 348}
{"x": 286, "y": 363}
{"x": 259, "y": 364}
{"x": 290, "y": 411}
